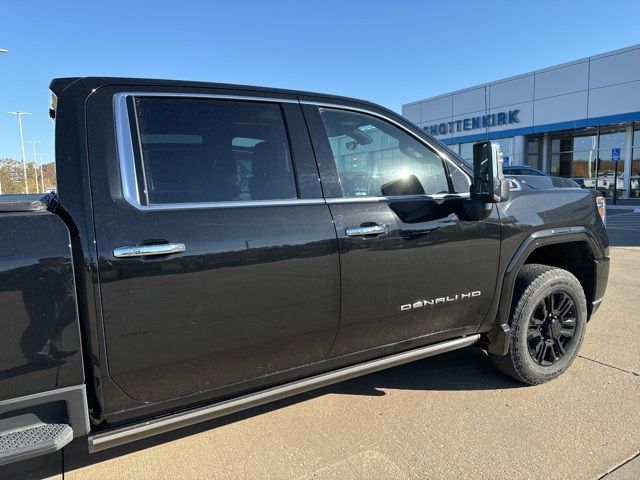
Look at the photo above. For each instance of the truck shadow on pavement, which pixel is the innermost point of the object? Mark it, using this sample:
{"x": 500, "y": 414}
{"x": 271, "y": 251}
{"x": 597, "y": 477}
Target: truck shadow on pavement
{"x": 461, "y": 370}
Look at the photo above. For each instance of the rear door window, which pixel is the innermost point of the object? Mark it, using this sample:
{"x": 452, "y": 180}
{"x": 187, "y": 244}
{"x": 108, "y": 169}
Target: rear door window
{"x": 209, "y": 150}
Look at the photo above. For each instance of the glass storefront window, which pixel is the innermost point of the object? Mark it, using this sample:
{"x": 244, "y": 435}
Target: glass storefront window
{"x": 584, "y": 167}
{"x": 561, "y": 155}
{"x": 607, "y": 172}
{"x": 534, "y": 152}
{"x": 586, "y": 156}
{"x": 466, "y": 150}
{"x": 634, "y": 186}
{"x": 584, "y": 143}
{"x": 612, "y": 140}
{"x": 608, "y": 181}
{"x": 506, "y": 145}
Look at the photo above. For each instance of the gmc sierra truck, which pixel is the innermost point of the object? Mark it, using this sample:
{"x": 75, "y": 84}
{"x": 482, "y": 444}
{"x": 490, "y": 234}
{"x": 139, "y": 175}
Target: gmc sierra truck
{"x": 215, "y": 247}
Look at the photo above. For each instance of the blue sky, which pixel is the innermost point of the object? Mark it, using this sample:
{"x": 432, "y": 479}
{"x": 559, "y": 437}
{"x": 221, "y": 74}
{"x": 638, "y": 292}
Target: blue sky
{"x": 387, "y": 52}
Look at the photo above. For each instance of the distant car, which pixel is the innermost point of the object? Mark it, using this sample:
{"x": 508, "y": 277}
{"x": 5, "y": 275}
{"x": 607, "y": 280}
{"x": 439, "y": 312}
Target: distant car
{"x": 605, "y": 181}
{"x": 522, "y": 170}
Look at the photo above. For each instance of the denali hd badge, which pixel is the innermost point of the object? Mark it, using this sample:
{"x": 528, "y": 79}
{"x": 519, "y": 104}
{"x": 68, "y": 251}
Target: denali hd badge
{"x": 435, "y": 301}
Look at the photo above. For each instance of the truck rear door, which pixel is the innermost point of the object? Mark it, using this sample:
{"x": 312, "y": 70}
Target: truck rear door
{"x": 218, "y": 261}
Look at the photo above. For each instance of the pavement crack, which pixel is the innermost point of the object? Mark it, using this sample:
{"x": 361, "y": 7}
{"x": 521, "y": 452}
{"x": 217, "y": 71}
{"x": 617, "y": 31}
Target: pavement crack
{"x": 635, "y": 374}
{"x": 618, "y": 467}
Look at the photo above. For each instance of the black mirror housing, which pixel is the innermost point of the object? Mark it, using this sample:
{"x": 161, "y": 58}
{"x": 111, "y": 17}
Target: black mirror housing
{"x": 489, "y": 184}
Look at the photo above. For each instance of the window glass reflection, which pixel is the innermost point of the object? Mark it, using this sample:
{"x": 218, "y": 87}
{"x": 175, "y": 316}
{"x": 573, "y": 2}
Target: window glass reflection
{"x": 613, "y": 140}
{"x": 376, "y": 158}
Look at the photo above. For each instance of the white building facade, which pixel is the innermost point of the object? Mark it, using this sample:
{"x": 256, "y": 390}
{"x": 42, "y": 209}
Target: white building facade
{"x": 579, "y": 120}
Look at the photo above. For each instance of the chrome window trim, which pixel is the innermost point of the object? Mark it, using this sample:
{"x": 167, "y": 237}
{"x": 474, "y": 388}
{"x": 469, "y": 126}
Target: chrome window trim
{"x": 396, "y": 198}
{"x": 441, "y": 153}
{"x": 126, "y": 157}
{"x": 129, "y": 180}
{"x": 216, "y": 96}
{"x": 231, "y": 204}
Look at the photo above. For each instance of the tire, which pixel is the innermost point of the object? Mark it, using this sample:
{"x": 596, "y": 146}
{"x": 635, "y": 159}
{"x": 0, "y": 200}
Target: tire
{"x": 543, "y": 344}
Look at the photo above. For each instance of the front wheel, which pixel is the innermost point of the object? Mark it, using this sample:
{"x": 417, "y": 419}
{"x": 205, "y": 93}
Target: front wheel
{"x": 548, "y": 321}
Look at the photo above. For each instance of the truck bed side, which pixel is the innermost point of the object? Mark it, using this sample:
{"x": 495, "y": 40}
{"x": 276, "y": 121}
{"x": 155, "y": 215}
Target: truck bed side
{"x": 40, "y": 342}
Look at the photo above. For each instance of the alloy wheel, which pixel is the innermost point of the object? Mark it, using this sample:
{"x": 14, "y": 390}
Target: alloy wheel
{"x": 551, "y": 328}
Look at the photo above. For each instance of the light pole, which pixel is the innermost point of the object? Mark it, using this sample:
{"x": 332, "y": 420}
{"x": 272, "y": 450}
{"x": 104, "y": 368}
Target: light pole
{"x": 24, "y": 161}
{"x": 2, "y": 50}
{"x": 35, "y": 161}
{"x": 41, "y": 155}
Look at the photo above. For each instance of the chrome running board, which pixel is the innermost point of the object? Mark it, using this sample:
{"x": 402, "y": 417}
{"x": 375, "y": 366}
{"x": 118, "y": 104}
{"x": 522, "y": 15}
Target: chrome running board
{"x": 120, "y": 436}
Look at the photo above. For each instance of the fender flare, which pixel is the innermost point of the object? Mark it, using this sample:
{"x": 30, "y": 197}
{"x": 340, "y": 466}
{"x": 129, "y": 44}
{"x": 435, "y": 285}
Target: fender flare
{"x": 497, "y": 339}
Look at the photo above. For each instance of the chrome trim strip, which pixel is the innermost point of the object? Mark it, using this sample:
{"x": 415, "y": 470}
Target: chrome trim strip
{"x": 396, "y": 198}
{"x": 120, "y": 436}
{"x": 209, "y": 95}
{"x": 129, "y": 181}
{"x": 126, "y": 157}
{"x": 149, "y": 250}
{"x": 234, "y": 204}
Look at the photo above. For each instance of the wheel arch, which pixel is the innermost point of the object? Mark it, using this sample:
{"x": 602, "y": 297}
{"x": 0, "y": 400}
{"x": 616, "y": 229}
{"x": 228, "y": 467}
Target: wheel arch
{"x": 572, "y": 248}
{"x": 575, "y": 257}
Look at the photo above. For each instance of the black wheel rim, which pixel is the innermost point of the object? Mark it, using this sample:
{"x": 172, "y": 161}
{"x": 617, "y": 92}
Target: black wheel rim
{"x": 552, "y": 328}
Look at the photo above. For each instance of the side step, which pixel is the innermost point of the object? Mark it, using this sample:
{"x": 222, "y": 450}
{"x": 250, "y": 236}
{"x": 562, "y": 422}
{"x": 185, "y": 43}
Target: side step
{"x": 30, "y": 438}
{"x": 41, "y": 423}
{"x": 130, "y": 433}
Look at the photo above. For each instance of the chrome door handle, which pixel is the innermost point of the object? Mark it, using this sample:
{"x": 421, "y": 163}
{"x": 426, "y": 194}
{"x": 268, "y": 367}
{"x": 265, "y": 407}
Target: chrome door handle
{"x": 148, "y": 250}
{"x": 375, "y": 229}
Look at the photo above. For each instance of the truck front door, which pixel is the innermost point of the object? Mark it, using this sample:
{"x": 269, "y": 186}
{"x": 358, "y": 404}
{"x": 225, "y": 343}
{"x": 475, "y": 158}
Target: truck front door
{"x": 413, "y": 265}
{"x": 218, "y": 264}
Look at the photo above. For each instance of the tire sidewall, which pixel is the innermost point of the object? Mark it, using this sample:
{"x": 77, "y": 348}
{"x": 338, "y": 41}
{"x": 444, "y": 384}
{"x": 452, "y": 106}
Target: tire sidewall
{"x": 562, "y": 282}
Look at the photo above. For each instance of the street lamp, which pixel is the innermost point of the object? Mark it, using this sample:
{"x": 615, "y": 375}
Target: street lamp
{"x": 35, "y": 161}
{"x": 24, "y": 162}
{"x": 2, "y": 50}
{"x": 41, "y": 156}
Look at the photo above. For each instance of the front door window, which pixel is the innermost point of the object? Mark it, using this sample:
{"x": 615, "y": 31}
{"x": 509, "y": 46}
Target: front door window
{"x": 376, "y": 159}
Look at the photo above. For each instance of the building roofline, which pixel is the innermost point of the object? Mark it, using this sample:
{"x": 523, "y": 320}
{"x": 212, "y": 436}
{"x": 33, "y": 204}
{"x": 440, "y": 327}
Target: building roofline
{"x": 523, "y": 75}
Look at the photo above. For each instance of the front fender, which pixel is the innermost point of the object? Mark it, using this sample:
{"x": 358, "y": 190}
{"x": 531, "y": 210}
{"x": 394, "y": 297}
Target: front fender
{"x": 496, "y": 340}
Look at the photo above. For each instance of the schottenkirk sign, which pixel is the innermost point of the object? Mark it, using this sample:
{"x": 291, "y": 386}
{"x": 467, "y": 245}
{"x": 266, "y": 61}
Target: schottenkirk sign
{"x": 473, "y": 123}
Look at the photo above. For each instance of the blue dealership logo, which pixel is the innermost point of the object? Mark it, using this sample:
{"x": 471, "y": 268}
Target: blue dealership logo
{"x": 473, "y": 123}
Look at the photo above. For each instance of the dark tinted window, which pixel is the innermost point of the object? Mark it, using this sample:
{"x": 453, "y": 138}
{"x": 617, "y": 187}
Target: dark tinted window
{"x": 201, "y": 150}
{"x": 376, "y": 158}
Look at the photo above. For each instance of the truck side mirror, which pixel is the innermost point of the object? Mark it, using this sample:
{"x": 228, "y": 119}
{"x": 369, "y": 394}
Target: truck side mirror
{"x": 489, "y": 184}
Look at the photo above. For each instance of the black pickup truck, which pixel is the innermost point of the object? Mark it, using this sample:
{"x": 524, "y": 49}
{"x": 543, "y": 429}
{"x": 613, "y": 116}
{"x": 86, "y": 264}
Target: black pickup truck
{"x": 216, "y": 247}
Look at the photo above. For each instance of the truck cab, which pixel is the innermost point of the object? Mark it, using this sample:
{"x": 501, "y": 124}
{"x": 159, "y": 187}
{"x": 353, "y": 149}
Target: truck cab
{"x": 212, "y": 247}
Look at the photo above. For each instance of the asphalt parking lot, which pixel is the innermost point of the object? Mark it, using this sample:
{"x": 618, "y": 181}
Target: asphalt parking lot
{"x": 451, "y": 416}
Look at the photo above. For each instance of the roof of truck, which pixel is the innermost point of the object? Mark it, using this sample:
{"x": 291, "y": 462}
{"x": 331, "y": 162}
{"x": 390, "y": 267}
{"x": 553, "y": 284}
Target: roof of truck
{"x": 59, "y": 85}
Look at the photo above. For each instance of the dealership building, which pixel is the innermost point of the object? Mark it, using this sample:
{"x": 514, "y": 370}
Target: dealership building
{"x": 579, "y": 120}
